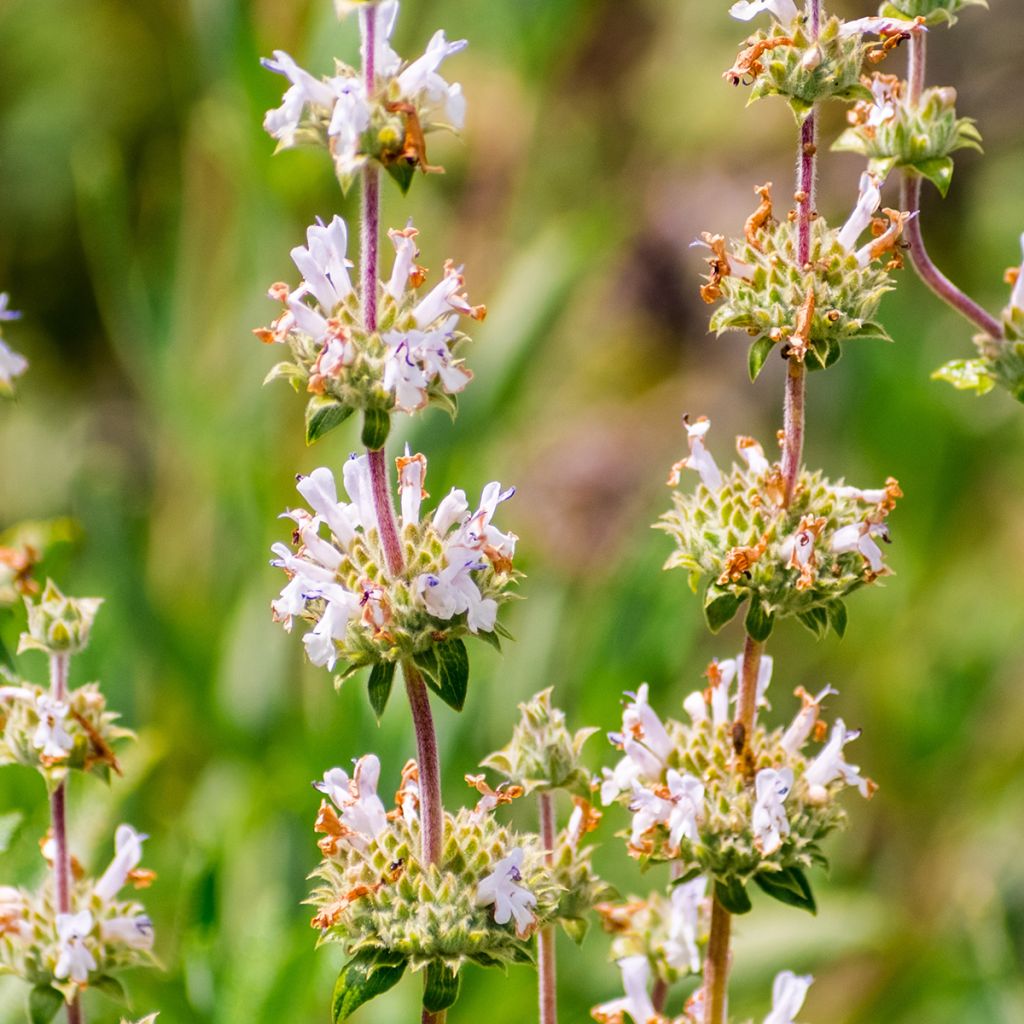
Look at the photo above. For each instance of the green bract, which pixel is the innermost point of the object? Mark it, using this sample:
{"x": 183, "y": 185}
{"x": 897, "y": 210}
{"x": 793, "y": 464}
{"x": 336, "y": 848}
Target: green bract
{"x": 999, "y": 363}
{"x": 58, "y": 624}
{"x": 785, "y": 62}
{"x": 934, "y": 11}
{"x": 893, "y": 133}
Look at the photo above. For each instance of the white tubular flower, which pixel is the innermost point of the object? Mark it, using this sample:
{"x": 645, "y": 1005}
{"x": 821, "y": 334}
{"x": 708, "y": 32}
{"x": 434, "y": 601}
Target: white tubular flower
{"x": 321, "y": 492}
{"x": 50, "y": 737}
{"x": 720, "y": 677}
{"x": 1017, "y": 295}
{"x": 868, "y": 200}
{"x": 74, "y": 961}
{"x": 359, "y": 485}
{"x": 700, "y": 458}
{"x": 323, "y": 264}
{"x": 880, "y": 27}
{"x": 12, "y": 364}
{"x": 453, "y": 509}
{"x": 412, "y": 472}
{"x": 135, "y": 932}
{"x": 510, "y": 899}
{"x": 859, "y": 537}
{"x": 362, "y": 812}
{"x": 349, "y": 119}
{"x": 686, "y": 793}
{"x": 830, "y": 765}
{"x": 636, "y": 1004}
{"x": 696, "y": 707}
{"x": 127, "y": 856}
{"x": 444, "y": 299}
{"x": 783, "y": 10}
{"x": 648, "y": 809}
{"x": 341, "y": 607}
{"x": 806, "y": 718}
{"x": 415, "y": 358}
{"x": 872, "y": 496}
{"x": 283, "y": 122}
{"x": 769, "y": 822}
{"x": 681, "y": 951}
{"x": 752, "y": 454}
{"x": 406, "y": 255}
{"x": 477, "y": 532}
{"x": 452, "y": 592}
{"x": 421, "y": 84}
{"x": 14, "y": 922}
{"x": 641, "y": 722}
{"x": 764, "y": 678}
{"x": 789, "y": 991}
{"x": 402, "y": 373}
{"x": 619, "y": 779}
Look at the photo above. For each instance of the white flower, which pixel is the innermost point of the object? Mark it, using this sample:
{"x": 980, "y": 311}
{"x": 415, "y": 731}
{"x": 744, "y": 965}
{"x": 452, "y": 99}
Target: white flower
{"x": 349, "y": 119}
{"x": 510, "y": 899}
{"x": 720, "y": 677}
{"x": 321, "y": 492}
{"x": 452, "y": 510}
{"x": 859, "y": 537}
{"x": 764, "y": 678}
{"x": 636, "y": 1004}
{"x": 412, "y": 472}
{"x": 868, "y": 200}
{"x": 74, "y": 961}
{"x": 12, "y": 364}
{"x": 681, "y": 948}
{"x": 415, "y": 358}
{"x": 359, "y": 484}
{"x": 452, "y": 592}
{"x": 753, "y": 454}
{"x": 406, "y": 254}
{"x": 784, "y": 10}
{"x": 770, "y": 823}
{"x": 696, "y": 707}
{"x": 135, "y": 932}
{"x": 402, "y": 373}
{"x": 50, "y": 736}
{"x": 806, "y": 718}
{"x": 618, "y": 780}
{"x": 127, "y": 856}
{"x": 789, "y": 991}
{"x": 879, "y": 27}
{"x": 830, "y": 765}
{"x": 283, "y": 122}
{"x": 420, "y": 84}
{"x": 1017, "y": 296}
{"x": 362, "y": 812}
{"x": 340, "y": 607}
{"x": 323, "y": 264}
{"x": 700, "y": 458}
{"x": 14, "y": 914}
{"x": 641, "y": 723}
{"x": 678, "y": 806}
{"x": 444, "y": 299}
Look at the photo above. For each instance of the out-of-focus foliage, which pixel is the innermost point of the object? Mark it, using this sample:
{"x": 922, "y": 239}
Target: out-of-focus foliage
{"x": 143, "y": 215}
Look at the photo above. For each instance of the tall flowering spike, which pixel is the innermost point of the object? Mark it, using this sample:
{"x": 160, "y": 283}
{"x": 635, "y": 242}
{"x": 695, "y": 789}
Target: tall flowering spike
{"x": 12, "y": 364}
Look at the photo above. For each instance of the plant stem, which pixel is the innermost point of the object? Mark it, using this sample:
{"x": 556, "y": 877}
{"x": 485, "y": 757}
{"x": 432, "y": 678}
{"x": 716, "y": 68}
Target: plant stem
{"x": 716, "y": 965}
{"x": 746, "y": 705}
{"x": 910, "y": 200}
{"x": 546, "y": 941}
{"x": 659, "y": 995}
{"x": 369, "y": 221}
{"x": 59, "y": 822}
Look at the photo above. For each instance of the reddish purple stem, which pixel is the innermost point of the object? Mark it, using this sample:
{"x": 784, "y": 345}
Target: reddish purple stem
{"x": 546, "y": 942}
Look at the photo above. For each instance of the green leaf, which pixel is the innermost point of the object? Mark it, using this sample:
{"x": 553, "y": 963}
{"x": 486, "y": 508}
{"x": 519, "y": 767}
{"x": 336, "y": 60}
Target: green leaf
{"x": 872, "y": 329}
{"x": 5, "y": 655}
{"x": 720, "y": 607}
{"x": 295, "y": 375}
{"x": 44, "y": 1004}
{"x": 376, "y": 427}
{"x": 836, "y": 611}
{"x": 367, "y": 974}
{"x": 938, "y": 170}
{"x": 9, "y": 823}
{"x": 382, "y": 675}
{"x": 442, "y": 987}
{"x": 110, "y": 987}
{"x": 403, "y": 172}
{"x": 816, "y": 620}
{"x": 576, "y": 928}
{"x": 323, "y": 415}
{"x": 758, "y": 355}
{"x": 759, "y": 622}
{"x": 967, "y": 375}
{"x": 452, "y": 677}
{"x": 789, "y": 886}
{"x": 491, "y": 638}
{"x": 688, "y": 877}
{"x": 733, "y": 895}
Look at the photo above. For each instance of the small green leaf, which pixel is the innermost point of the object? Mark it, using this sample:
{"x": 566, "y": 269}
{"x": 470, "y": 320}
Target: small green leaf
{"x": 44, "y": 1004}
{"x": 758, "y": 355}
{"x": 5, "y": 655}
{"x": 939, "y": 171}
{"x": 836, "y": 611}
{"x": 367, "y": 974}
{"x": 403, "y": 172}
{"x": 688, "y": 877}
{"x": 452, "y": 677}
{"x": 295, "y": 375}
{"x": 110, "y": 987}
{"x": 759, "y": 622}
{"x": 967, "y": 375}
{"x": 789, "y": 886}
{"x": 576, "y": 928}
{"x": 376, "y": 427}
{"x": 720, "y": 607}
{"x": 733, "y": 895}
{"x": 323, "y": 415}
{"x": 491, "y": 638}
{"x": 382, "y": 675}
{"x": 442, "y": 987}
{"x": 9, "y": 824}
{"x": 816, "y": 620}
{"x": 872, "y": 329}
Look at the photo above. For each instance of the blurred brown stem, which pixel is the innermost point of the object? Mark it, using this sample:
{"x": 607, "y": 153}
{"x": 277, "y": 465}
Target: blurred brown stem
{"x": 546, "y": 940}
{"x": 716, "y": 965}
{"x": 746, "y": 705}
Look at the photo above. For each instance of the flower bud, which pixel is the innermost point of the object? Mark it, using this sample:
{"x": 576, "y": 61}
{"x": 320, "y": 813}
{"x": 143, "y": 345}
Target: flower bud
{"x": 59, "y": 624}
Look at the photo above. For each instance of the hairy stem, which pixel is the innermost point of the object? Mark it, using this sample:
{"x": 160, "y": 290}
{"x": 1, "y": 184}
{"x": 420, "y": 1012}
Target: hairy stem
{"x": 910, "y": 200}
{"x": 59, "y": 822}
{"x": 546, "y": 940}
{"x": 369, "y": 220}
{"x": 746, "y": 705}
{"x": 716, "y": 965}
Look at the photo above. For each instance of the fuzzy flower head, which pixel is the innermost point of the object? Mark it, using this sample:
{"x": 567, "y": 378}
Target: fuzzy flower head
{"x": 410, "y": 360}
{"x": 12, "y": 364}
{"x": 458, "y": 566}
{"x": 385, "y": 121}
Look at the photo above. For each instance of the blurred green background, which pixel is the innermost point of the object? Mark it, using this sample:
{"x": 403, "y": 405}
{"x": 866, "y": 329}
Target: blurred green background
{"x": 143, "y": 217}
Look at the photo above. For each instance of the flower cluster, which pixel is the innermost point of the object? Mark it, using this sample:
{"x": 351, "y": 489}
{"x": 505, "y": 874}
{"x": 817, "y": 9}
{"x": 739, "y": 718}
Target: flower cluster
{"x": 458, "y": 567}
{"x": 66, "y": 952}
{"x": 737, "y": 538}
{"x": 481, "y": 903}
{"x": 409, "y": 361}
{"x": 892, "y": 132}
{"x": 357, "y": 121}
{"x": 807, "y": 311}
{"x": 694, "y": 804}
{"x": 12, "y": 364}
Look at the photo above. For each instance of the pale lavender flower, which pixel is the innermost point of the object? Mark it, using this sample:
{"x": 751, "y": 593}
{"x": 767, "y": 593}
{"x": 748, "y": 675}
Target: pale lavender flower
{"x": 362, "y": 811}
{"x": 136, "y": 931}
{"x": 636, "y": 1004}
{"x": 50, "y": 737}
{"x": 74, "y": 961}
{"x": 511, "y": 900}
{"x": 1017, "y": 295}
{"x": 789, "y": 991}
{"x": 803, "y": 723}
{"x": 868, "y": 200}
{"x": 127, "y": 856}
{"x": 699, "y": 459}
{"x": 859, "y": 537}
{"x": 323, "y": 263}
{"x": 305, "y": 91}
{"x": 830, "y": 765}
{"x": 783, "y": 10}
{"x": 770, "y": 823}
{"x": 681, "y": 951}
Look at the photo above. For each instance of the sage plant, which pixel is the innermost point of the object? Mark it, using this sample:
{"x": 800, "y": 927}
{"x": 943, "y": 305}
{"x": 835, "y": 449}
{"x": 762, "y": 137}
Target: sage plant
{"x": 415, "y": 888}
